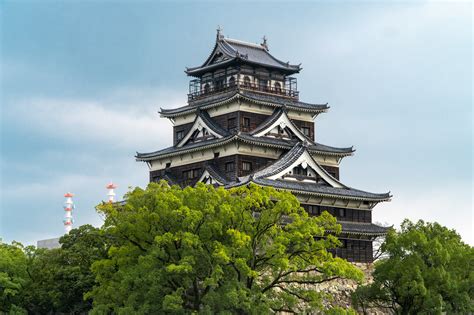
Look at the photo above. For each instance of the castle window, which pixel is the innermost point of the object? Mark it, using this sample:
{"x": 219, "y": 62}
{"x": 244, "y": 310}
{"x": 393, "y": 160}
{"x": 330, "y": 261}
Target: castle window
{"x": 207, "y": 88}
{"x": 341, "y": 213}
{"x": 314, "y": 210}
{"x": 232, "y": 82}
{"x": 219, "y": 84}
{"x": 216, "y": 155}
{"x": 277, "y": 87}
{"x": 168, "y": 165}
{"x": 262, "y": 84}
{"x": 229, "y": 166}
{"x": 191, "y": 174}
{"x": 246, "y": 166}
{"x": 246, "y": 81}
{"x": 305, "y": 131}
{"x": 246, "y": 122}
{"x": 179, "y": 135}
{"x": 300, "y": 171}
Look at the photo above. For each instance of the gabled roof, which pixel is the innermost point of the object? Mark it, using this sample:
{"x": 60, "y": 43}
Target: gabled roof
{"x": 245, "y": 138}
{"x": 203, "y": 120}
{"x": 296, "y": 156}
{"x": 213, "y": 171}
{"x": 228, "y": 51}
{"x": 235, "y": 95}
{"x": 271, "y": 176}
{"x": 279, "y": 118}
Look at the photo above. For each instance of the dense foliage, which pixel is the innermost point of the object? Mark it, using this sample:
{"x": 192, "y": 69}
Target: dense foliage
{"x": 41, "y": 281}
{"x": 213, "y": 250}
{"x": 428, "y": 270}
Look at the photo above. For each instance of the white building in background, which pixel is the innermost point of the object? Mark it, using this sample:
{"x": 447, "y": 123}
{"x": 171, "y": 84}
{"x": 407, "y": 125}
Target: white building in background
{"x": 49, "y": 243}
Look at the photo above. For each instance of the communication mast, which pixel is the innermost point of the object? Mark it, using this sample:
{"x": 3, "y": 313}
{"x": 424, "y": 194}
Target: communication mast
{"x": 110, "y": 187}
{"x": 68, "y": 207}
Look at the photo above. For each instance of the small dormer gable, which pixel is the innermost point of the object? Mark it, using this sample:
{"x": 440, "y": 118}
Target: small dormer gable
{"x": 202, "y": 129}
{"x": 278, "y": 125}
{"x": 298, "y": 165}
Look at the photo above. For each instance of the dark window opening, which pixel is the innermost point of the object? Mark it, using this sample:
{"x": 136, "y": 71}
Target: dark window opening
{"x": 277, "y": 87}
{"x": 299, "y": 170}
{"x": 207, "y": 88}
{"x": 314, "y": 210}
{"x": 191, "y": 174}
{"x": 246, "y": 81}
{"x": 229, "y": 166}
{"x": 216, "y": 155}
{"x": 168, "y": 165}
{"x": 232, "y": 82}
{"x": 246, "y": 166}
{"x": 305, "y": 131}
{"x": 263, "y": 84}
{"x": 341, "y": 213}
{"x": 246, "y": 122}
{"x": 219, "y": 84}
{"x": 179, "y": 135}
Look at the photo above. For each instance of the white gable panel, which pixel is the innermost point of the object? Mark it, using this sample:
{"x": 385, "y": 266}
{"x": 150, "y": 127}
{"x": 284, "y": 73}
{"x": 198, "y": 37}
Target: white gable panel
{"x": 307, "y": 160}
{"x": 284, "y": 122}
{"x": 199, "y": 124}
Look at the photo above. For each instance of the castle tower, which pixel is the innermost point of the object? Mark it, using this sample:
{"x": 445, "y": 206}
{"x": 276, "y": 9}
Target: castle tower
{"x": 244, "y": 123}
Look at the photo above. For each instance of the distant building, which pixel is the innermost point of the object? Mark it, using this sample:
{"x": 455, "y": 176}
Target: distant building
{"x": 244, "y": 123}
{"x": 49, "y": 243}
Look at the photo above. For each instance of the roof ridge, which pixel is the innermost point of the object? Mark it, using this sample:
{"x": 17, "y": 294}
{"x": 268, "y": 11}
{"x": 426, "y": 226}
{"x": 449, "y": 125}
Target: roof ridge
{"x": 241, "y": 42}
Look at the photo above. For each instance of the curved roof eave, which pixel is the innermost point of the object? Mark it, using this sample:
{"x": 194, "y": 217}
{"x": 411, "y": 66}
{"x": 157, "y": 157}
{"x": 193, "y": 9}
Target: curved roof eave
{"x": 299, "y": 106}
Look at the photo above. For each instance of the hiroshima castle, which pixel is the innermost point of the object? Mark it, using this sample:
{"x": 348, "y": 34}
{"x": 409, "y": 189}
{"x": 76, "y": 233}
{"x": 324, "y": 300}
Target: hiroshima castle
{"x": 244, "y": 123}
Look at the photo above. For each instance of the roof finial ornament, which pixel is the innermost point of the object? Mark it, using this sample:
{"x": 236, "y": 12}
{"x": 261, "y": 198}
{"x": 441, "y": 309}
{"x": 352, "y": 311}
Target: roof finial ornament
{"x": 264, "y": 43}
{"x": 219, "y": 32}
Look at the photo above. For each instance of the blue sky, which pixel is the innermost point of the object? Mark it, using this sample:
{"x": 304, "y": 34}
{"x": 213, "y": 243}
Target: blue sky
{"x": 81, "y": 84}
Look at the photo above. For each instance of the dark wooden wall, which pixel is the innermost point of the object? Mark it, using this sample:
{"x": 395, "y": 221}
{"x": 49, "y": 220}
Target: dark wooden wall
{"x": 353, "y": 215}
{"x": 220, "y": 162}
{"x": 355, "y": 250}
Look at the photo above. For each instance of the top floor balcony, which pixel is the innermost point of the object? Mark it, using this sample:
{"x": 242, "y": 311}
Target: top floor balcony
{"x": 199, "y": 89}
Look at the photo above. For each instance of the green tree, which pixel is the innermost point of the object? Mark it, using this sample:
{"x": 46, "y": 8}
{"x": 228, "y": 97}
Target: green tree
{"x": 58, "y": 278}
{"x": 13, "y": 276}
{"x": 207, "y": 250}
{"x": 41, "y": 281}
{"x": 428, "y": 270}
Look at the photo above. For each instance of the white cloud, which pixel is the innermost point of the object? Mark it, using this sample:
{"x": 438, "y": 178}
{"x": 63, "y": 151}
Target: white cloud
{"x": 127, "y": 118}
{"x": 451, "y": 206}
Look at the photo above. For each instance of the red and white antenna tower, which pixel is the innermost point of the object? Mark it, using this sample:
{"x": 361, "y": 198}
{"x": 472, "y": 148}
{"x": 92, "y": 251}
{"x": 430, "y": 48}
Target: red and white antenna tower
{"x": 68, "y": 207}
{"x": 111, "y": 194}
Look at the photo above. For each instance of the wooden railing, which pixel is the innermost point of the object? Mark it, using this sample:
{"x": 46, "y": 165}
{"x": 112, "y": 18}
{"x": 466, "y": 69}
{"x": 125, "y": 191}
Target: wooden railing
{"x": 221, "y": 87}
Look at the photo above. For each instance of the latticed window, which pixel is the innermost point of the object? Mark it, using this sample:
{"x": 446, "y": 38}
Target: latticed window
{"x": 299, "y": 170}
{"x": 305, "y": 131}
{"x": 246, "y": 122}
{"x": 246, "y": 166}
{"x": 191, "y": 174}
{"x": 179, "y": 135}
{"x": 229, "y": 166}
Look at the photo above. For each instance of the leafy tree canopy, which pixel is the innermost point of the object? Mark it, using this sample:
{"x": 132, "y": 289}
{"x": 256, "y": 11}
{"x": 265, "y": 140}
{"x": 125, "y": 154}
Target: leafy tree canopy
{"x": 428, "y": 270}
{"x": 41, "y": 281}
{"x": 211, "y": 250}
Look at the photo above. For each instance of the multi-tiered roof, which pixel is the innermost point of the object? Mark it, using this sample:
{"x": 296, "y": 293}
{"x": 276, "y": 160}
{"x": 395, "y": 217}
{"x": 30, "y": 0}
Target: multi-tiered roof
{"x": 244, "y": 123}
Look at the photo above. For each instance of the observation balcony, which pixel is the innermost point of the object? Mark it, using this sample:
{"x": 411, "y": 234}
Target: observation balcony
{"x": 199, "y": 90}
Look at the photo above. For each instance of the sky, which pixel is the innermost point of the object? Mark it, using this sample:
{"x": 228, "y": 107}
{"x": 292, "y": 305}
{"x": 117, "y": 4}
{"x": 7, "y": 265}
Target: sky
{"x": 81, "y": 83}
